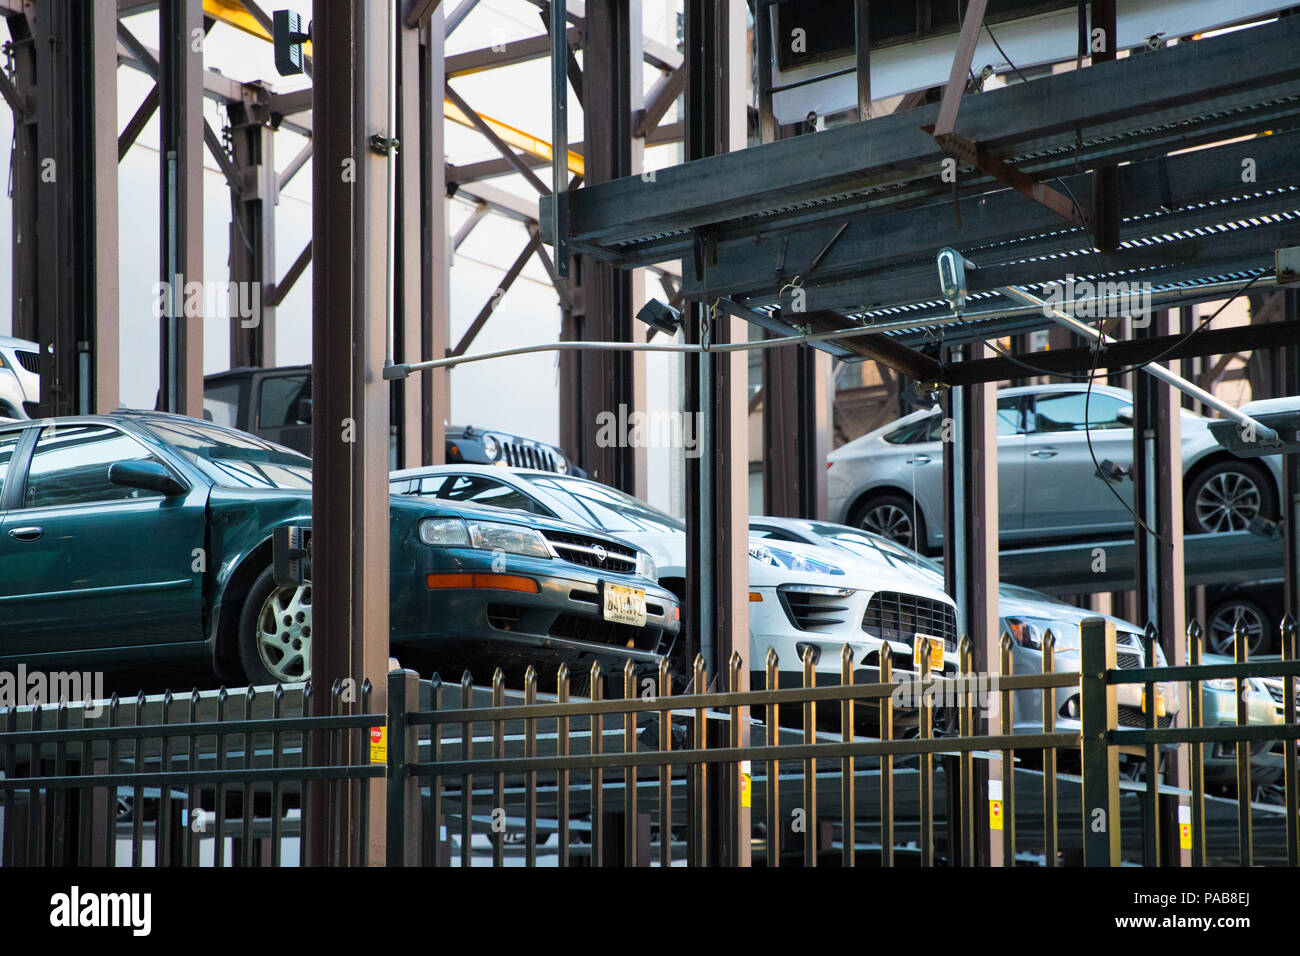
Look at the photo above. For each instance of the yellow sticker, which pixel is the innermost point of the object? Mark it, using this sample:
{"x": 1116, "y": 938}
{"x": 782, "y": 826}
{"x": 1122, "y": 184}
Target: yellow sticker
{"x": 379, "y": 745}
{"x": 746, "y": 790}
{"x": 1185, "y": 836}
{"x": 995, "y": 814}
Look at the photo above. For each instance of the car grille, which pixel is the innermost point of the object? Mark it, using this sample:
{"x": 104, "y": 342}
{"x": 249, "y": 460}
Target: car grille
{"x": 596, "y": 631}
{"x": 29, "y": 360}
{"x": 895, "y": 616}
{"x": 527, "y": 456}
{"x": 585, "y": 550}
{"x": 1133, "y": 717}
{"x": 1128, "y": 662}
{"x": 808, "y": 611}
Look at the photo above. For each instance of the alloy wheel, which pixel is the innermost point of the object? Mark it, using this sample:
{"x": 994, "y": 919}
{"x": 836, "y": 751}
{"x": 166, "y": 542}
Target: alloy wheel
{"x": 1228, "y": 502}
{"x": 889, "y": 521}
{"x": 284, "y": 633}
{"x": 1223, "y": 626}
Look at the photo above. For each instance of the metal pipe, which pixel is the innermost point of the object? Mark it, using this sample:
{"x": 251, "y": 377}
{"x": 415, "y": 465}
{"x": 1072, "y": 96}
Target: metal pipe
{"x": 1263, "y": 433}
{"x": 401, "y": 371}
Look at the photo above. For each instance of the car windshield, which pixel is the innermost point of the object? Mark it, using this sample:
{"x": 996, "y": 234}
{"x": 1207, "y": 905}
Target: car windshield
{"x": 234, "y": 459}
{"x": 607, "y": 508}
{"x": 867, "y": 545}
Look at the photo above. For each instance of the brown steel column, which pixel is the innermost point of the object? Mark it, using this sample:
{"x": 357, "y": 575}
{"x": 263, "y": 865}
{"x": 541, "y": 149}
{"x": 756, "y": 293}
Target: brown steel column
{"x": 796, "y": 431}
{"x": 717, "y": 482}
{"x": 435, "y": 255}
{"x": 252, "y": 233}
{"x": 350, "y": 423}
{"x": 1161, "y": 588}
{"x": 65, "y": 201}
{"x": 180, "y": 111}
{"x": 596, "y": 382}
{"x": 970, "y": 550}
{"x": 408, "y": 407}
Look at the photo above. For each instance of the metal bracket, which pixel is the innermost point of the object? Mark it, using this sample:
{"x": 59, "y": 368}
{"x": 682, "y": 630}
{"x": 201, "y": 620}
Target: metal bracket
{"x": 381, "y": 144}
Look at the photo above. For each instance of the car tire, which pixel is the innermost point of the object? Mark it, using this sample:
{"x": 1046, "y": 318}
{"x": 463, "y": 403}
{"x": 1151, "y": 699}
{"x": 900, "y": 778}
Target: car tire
{"x": 1227, "y": 495}
{"x": 275, "y": 632}
{"x": 893, "y": 516}
{"x": 1260, "y": 629}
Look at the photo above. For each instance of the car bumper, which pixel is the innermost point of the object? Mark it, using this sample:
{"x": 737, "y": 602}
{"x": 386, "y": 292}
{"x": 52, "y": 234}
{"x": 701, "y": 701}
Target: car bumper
{"x": 490, "y": 622}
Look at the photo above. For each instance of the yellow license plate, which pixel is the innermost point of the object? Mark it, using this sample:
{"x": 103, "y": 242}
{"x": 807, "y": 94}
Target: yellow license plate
{"x": 624, "y": 605}
{"x": 936, "y": 652}
{"x": 1160, "y": 701}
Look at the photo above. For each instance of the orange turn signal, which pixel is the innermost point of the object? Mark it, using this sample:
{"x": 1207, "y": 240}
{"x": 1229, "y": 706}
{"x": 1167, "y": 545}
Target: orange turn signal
{"x": 491, "y": 582}
{"x": 755, "y": 596}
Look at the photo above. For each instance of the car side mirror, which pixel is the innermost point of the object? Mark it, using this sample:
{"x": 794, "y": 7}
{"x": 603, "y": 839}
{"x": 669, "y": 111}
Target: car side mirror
{"x": 303, "y": 411}
{"x": 147, "y": 476}
{"x": 1125, "y": 414}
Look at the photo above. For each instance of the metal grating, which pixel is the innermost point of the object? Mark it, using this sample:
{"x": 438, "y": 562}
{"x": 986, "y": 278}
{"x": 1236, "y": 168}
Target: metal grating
{"x": 895, "y": 616}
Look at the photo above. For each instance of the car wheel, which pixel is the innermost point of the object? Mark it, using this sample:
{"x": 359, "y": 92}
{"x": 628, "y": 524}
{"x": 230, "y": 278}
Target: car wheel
{"x": 1227, "y": 496}
{"x": 1223, "y": 622}
{"x": 275, "y": 632}
{"x": 894, "y": 517}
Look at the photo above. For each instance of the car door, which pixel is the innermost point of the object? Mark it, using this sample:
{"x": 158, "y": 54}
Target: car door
{"x": 86, "y": 564}
{"x": 924, "y": 463}
{"x": 1063, "y": 494}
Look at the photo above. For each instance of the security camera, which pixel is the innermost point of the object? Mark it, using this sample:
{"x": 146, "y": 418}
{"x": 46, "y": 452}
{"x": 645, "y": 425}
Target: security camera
{"x": 952, "y": 277}
{"x": 662, "y": 317}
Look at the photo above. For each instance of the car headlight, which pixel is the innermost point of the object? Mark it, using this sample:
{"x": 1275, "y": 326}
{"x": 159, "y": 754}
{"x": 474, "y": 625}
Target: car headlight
{"x": 491, "y": 447}
{"x": 484, "y": 535}
{"x": 1031, "y": 631}
{"x": 561, "y": 466}
{"x": 645, "y": 566}
{"x": 1253, "y": 686}
{"x": 780, "y": 558}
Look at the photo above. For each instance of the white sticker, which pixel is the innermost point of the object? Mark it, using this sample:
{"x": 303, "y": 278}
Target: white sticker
{"x": 995, "y": 789}
{"x": 1184, "y": 814}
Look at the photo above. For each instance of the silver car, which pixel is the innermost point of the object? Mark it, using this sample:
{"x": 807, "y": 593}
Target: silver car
{"x": 890, "y": 481}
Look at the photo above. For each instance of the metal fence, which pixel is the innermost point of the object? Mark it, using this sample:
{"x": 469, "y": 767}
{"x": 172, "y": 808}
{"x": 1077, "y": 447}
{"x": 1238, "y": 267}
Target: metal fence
{"x": 886, "y": 766}
{"x": 209, "y": 778}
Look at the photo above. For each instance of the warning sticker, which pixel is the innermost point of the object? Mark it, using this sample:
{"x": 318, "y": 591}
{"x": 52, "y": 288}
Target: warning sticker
{"x": 379, "y": 745}
{"x": 746, "y": 785}
{"x": 995, "y": 814}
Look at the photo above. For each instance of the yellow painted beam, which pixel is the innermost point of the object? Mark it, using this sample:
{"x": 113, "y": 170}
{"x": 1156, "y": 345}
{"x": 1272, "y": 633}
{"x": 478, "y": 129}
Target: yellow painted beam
{"x": 233, "y": 13}
{"x": 514, "y": 137}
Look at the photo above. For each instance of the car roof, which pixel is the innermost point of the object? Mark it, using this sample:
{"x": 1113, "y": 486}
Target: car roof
{"x": 1065, "y": 387}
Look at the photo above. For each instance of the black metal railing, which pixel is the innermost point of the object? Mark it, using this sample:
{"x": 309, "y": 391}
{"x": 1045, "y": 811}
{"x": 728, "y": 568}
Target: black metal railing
{"x": 182, "y": 781}
{"x": 872, "y": 764}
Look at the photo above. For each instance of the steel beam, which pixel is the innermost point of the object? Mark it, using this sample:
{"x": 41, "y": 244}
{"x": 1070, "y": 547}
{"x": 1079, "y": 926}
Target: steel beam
{"x": 592, "y": 383}
{"x": 65, "y": 172}
{"x": 408, "y": 406}
{"x": 1128, "y": 109}
{"x": 796, "y": 429}
{"x": 970, "y": 549}
{"x": 252, "y": 235}
{"x": 435, "y": 258}
{"x": 878, "y": 242}
{"x": 350, "y": 423}
{"x": 717, "y": 509}
{"x": 180, "y": 155}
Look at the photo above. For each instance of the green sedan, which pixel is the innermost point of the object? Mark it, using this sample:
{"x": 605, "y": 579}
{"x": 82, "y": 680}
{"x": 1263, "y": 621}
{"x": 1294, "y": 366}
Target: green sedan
{"x": 140, "y": 542}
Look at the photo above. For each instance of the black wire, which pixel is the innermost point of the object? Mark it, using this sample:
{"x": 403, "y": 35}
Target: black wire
{"x": 1110, "y": 373}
